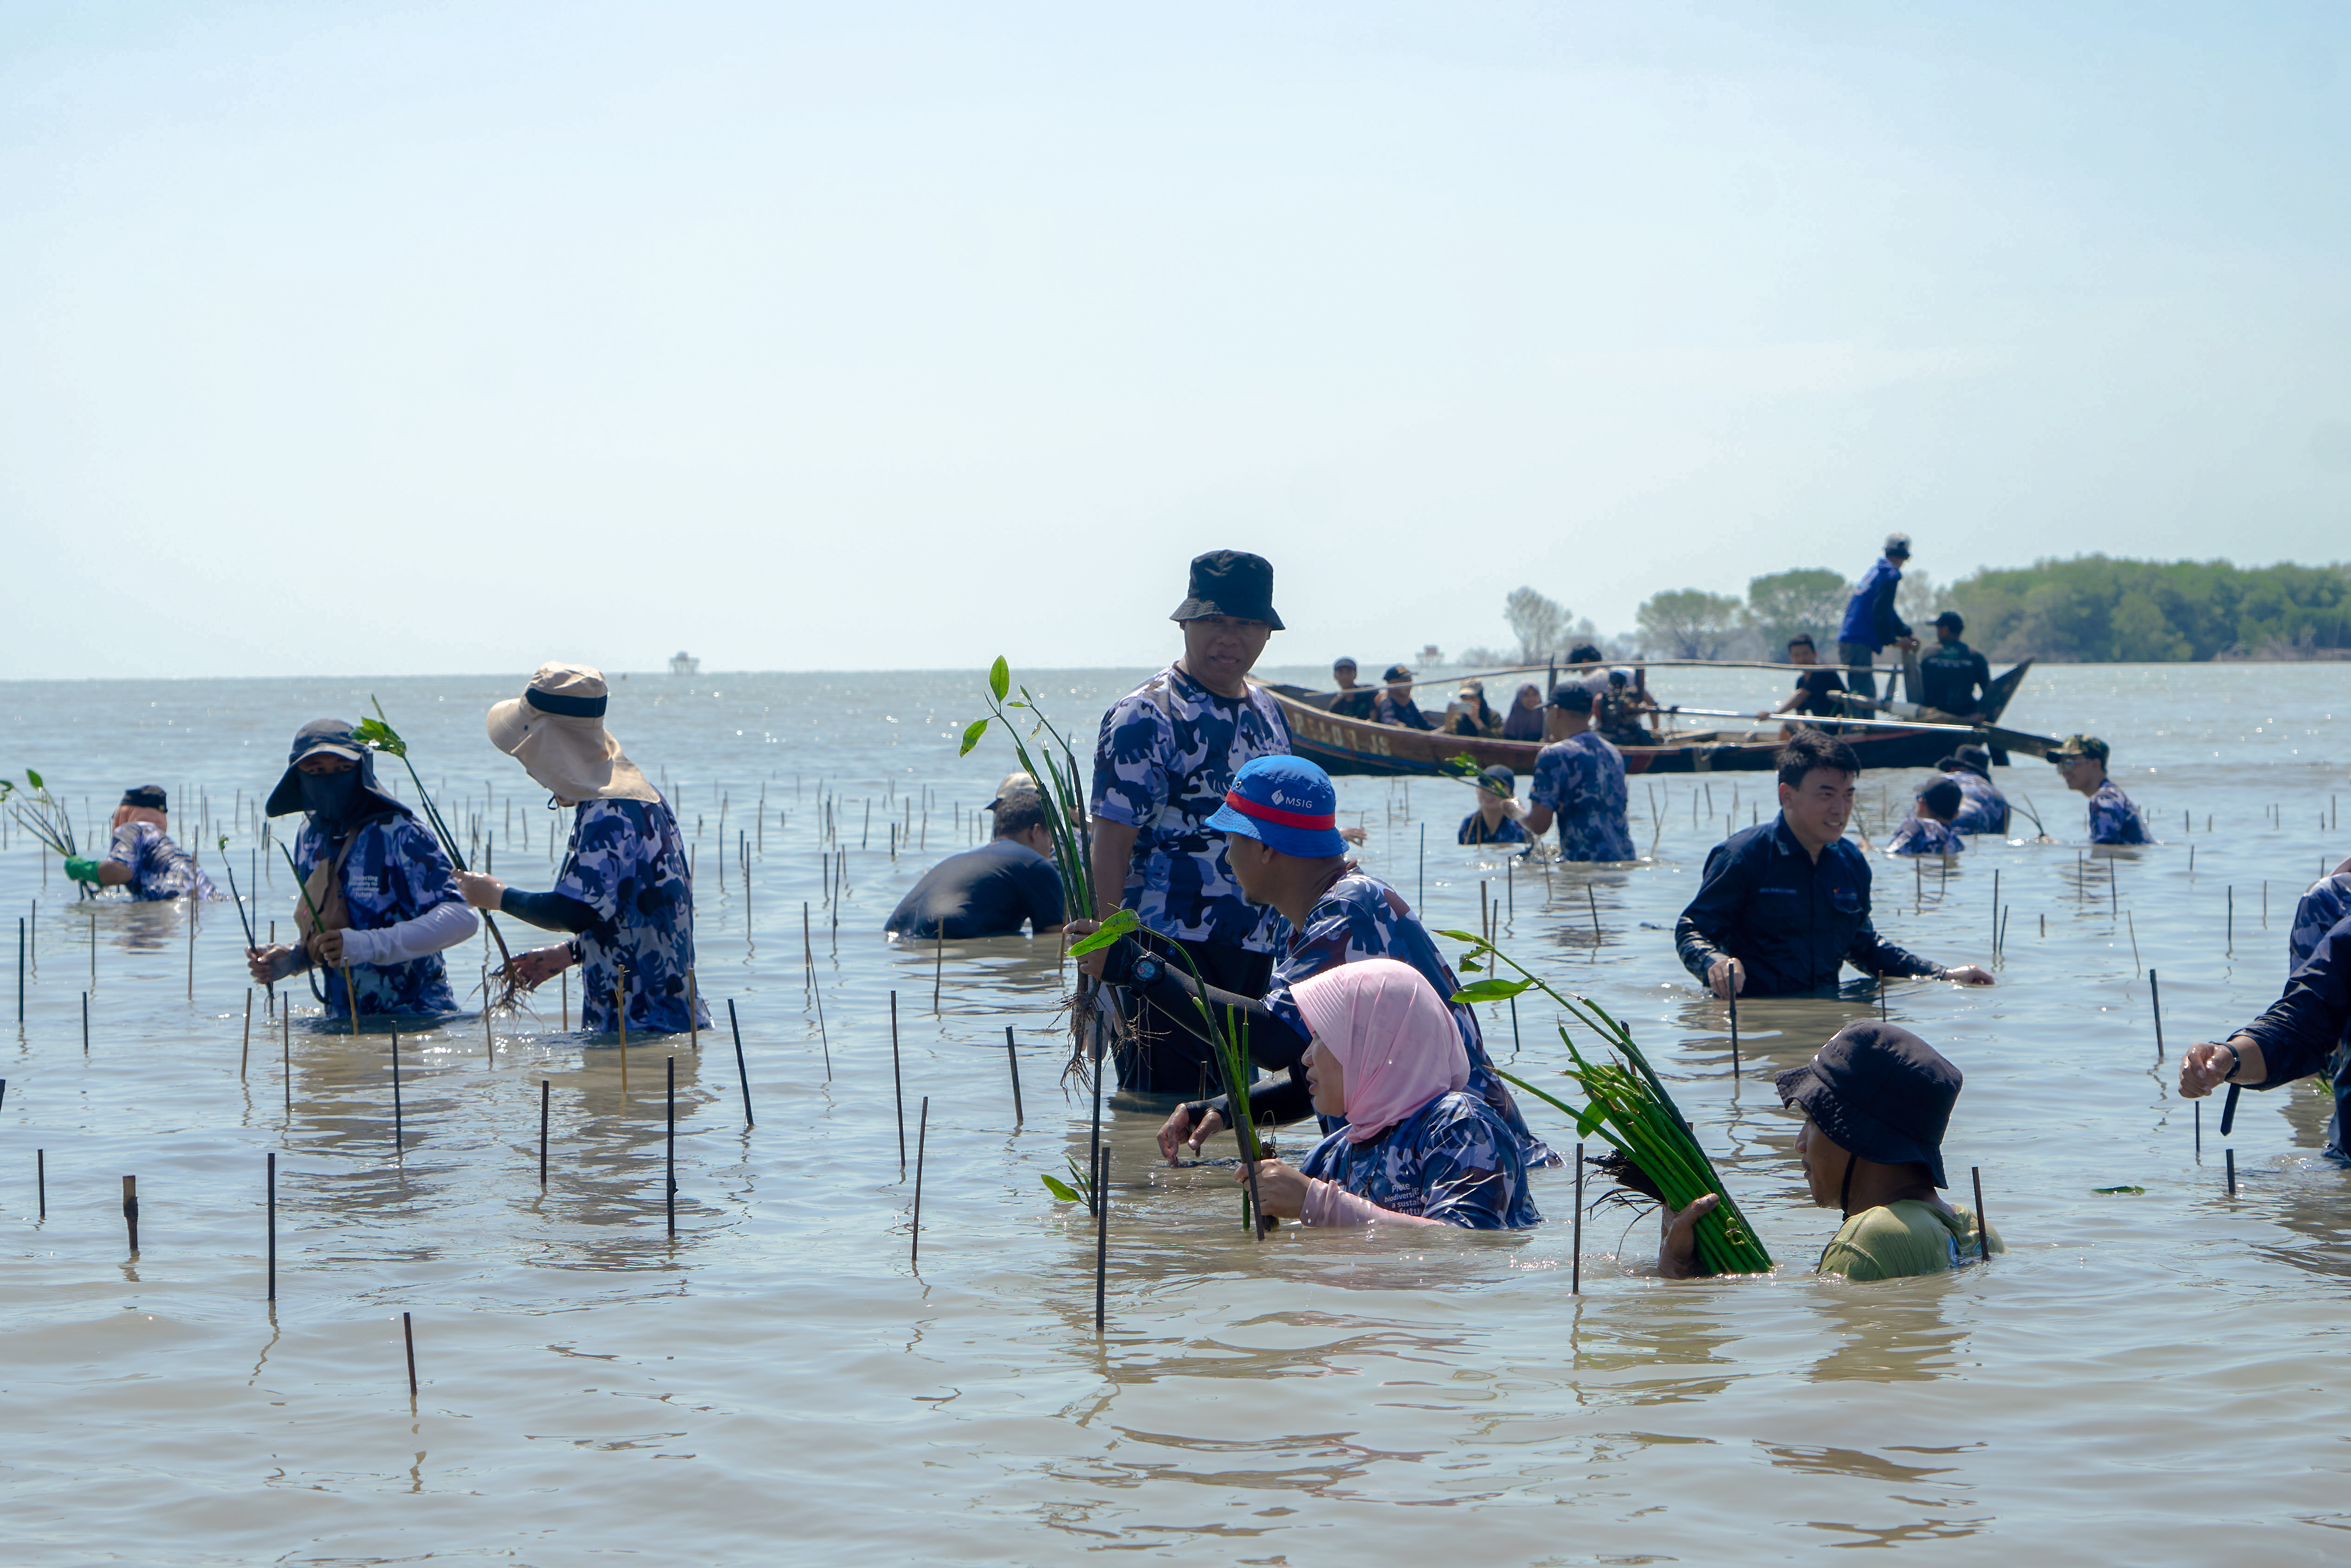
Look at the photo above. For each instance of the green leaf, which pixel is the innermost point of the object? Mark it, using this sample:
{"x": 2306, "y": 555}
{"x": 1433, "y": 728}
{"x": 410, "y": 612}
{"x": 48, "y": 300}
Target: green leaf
{"x": 36, "y": 778}
{"x": 1461, "y": 764}
{"x": 971, "y": 736}
{"x": 1495, "y": 989}
{"x": 1470, "y": 966}
{"x": 224, "y": 841}
{"x": 2133, "y": 1191}
{"x": 1061, "y": 1189}
{"x": 377, "y": 735}
{"x": 1117, "y": 926}
{"x": 1593, "y": 1114}
{"x": 1472, "y": 938}
{"x": 1000, "y": 678}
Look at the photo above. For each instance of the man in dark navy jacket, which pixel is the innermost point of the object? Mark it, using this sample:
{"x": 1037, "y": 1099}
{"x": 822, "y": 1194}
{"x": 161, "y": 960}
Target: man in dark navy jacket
{"x": 1784, "y": 905}
{"x": 2306, "y": 1030}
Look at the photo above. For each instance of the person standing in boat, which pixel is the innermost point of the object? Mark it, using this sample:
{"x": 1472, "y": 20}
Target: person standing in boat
{"x": 623, "y": 894}
{"x": 1870, "y": 624}
{"x": 1816, "y": 696}
{"x": 1952, "y": 675}
{"x": 1783, "y": 905}
{"x": 143, "y": 860}
{"x": 1986, "y": 809}
{"x": 1580, "y": 782}
{"x": 1496, "y": 820}
{"x": 2082, "y": 763}
{"x": 1168, "y": 753}
{"x": 379, "y": 903}
{"x": 1395, "y": 705}
{"x": 1928, "y": 829}
{"x": 1353, "y": 701}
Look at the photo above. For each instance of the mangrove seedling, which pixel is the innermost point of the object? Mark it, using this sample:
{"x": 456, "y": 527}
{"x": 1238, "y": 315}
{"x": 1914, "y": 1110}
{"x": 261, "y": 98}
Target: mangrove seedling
{"x": 45, "y": 816}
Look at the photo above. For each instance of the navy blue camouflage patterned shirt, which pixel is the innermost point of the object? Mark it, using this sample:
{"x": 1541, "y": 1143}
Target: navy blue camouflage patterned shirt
{"x": 1167, "y": 753}
{"x": 159, "y": 867}
{"x": 2113, "y": 818}
{"x": 1925, "y": 836}
{"x": 394, "y": 872}
{"x": 1509, "y": 830}
{"x": 1985, "y": 809}
{"x": 1453, "y": 1160}
{"x": 627, "y": 862}
{"x": 1582, "y": 780}
{"x": 2328, "y": 900}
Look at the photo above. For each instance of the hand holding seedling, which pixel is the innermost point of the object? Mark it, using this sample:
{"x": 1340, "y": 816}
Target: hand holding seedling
{"x": 1677, "y": 1242}
{"x": 481, "y": 891}
{"x": 1280, "y": 1188}
{"x": 537, "y": 967}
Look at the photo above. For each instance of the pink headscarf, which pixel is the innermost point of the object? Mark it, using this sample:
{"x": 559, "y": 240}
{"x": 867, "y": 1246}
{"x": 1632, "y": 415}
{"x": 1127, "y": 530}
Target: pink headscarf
{"x": 1394, "y": 1040}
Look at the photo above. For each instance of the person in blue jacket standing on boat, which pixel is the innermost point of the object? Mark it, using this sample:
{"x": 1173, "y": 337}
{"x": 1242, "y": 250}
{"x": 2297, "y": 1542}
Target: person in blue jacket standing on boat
{"x": 1870, "y": 623}
{"x": 143, "y": 860}
{"x": 623, "y": 892}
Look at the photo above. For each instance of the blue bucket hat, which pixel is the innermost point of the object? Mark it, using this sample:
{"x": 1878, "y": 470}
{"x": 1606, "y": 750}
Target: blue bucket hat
{"x": 1286, "y": 804}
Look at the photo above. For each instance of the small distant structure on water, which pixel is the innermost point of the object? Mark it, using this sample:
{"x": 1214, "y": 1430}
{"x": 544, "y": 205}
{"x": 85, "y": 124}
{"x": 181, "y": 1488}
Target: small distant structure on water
{"x": 683, "y": 663}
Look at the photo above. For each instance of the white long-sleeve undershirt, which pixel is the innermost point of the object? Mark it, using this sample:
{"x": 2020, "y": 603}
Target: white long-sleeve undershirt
{"x": 442, "y": 926}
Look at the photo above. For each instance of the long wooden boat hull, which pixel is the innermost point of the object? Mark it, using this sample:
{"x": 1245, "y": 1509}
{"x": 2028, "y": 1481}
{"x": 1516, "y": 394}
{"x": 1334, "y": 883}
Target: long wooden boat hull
{"x": 1345, "y": 745}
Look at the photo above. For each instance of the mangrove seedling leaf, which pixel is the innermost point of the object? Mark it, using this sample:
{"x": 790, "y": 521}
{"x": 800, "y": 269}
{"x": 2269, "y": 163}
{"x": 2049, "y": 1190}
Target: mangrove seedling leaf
{"x": 223, "y": 843}
{"x": 1470, "y": 966}
{"x": 379, "y": 736}
{"x": 1472, "y": 938}
{"x": 1061, "y": 1189}
{"x": 1593, "y": 1115}
{"x": 2133, "y": 1191}
{"x": 1117, "y": 926}
{"x": 971, "y": 736}
{"x": 1495, "y": 989}
{"x": 1461, "y": 764}
{"x": 36, "y": 778}
{"x": 1000, "y": 678}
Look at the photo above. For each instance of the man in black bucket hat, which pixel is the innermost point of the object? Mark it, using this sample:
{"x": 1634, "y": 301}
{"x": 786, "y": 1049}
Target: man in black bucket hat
{"x": 1877, "y": 1101}
{"x": 1168, "y": 753}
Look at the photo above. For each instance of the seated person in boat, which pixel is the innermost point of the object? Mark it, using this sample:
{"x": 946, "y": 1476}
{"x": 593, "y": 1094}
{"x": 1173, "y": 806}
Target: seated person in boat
{"x": 1618, "y": 711}
{"x": 1395, "y": 705}
{"x": 1280, "y": 838}
{"x": 989, "y": 892}
{"x": 1985, "y": 809}
{"x": 1496, "y": 820}
{"x": 1469, "y": 714}
{"x": 380, "y": 903}
{"x": 1524, "y": 722}
{"x": 1414, "y": 1148}
{"x": 2302, "y": 1033}
{"x": 1784, "y": 905}
{"x": 2082, "y": 763}
{"x": 1580, "y": 781}
{"x": 1877, "y": 1101}
{"x": 1587, "y": 664}
{"x": 1353, "y": 701}
{"x": 143, "y": 860}
{"x": 1927, "y": 829}
{"x": 1952, "y": 674}
{"x": 1816, "y": 693}
{"x": 624, "y": 895}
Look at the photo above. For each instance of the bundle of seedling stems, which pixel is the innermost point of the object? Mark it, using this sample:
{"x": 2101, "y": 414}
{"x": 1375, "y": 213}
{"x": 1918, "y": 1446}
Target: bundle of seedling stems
{"x": 378, "y": 734}
{"x": 1629, "y": 1107}
{"x": 45, "y": 816}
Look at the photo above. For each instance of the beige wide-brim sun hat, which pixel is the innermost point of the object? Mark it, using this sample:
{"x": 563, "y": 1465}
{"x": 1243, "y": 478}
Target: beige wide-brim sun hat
{"x": 556, "y": 731}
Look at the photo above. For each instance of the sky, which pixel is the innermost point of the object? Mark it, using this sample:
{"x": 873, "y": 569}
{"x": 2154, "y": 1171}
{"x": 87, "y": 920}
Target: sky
{"x": 409, "y": 340}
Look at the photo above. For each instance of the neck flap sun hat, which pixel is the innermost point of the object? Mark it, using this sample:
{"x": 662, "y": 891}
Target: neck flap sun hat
{"x": 1286, "y": 804}
{"x": 556, "y": 731}
{"x": 1880, "y": 1092}
{"x": 338, "y": 802}
{"x": 1230, "y": 583}
{"x": 1396, "y": 1043}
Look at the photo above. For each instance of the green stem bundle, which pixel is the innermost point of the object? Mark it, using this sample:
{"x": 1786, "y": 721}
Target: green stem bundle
{"x": 1628, "y": 1106}
{"x": 45, "y": 816}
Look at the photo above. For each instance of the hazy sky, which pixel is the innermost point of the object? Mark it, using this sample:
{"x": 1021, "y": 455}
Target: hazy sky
{"x": 362, "y": 338}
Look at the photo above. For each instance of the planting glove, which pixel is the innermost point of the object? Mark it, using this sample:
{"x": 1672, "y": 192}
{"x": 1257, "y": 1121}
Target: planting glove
{"x": 82, "y": 870}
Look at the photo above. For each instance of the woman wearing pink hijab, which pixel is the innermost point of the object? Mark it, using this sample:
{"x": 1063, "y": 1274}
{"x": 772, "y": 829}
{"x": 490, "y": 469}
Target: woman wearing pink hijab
{"x": 1416, "y": 1150}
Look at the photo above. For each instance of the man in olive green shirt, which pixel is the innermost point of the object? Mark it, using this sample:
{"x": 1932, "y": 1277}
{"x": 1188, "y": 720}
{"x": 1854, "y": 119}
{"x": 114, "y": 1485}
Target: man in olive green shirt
{"x": 1876, "y": 1101}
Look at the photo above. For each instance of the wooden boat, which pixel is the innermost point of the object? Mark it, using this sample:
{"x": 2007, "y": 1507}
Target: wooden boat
{"x": 1346, "y": 746}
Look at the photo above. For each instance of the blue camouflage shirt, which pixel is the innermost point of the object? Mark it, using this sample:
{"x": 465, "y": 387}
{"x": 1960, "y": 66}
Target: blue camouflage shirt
{"x": 1582, "y": 780}
{"x": 1166, "y": 755}
{"x": 1925, "y": 836}
{"x": 1361, "y": 917}
{"x": 2113, "y": 818}
{"x": 627, "y": 862}
{"x": 1452, "y": 1161}
{"x": 1985, "y": 809}
{"x": 159, "y": 867}
{"x": 394, "y": 872}
{"x": 1509, "y": 830}
{"x": 2328, "y": 900}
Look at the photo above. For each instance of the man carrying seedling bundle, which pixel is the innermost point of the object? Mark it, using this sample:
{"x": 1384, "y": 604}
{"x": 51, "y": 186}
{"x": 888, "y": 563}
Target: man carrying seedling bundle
{"x": 1784, "y": 905}
{"x": 379, "y": 903}
{"x": 623, "y": 892}
{"x": 1168, "y": 753}
{"x": 989, "y": 892}
{"x": 1283, "y": 844}
{"x": 144, "y": 858}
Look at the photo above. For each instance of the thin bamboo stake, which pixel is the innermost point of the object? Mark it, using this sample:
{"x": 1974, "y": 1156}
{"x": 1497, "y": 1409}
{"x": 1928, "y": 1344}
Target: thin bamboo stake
{"x": 1012, "y": 1059}
{"x": 272, "y": 1189}
{"x": 1983, "y": 1226}
{"x": 546, "y": 1089}
{"x": 408, "y": 1333}
{"x": 693, "y": 1013}
{"x": 1101, "y": 1236}
{"x": 669, "y": 1149}
{"x": 741, "y": 1072}
{"x": 898, "y": 1085}
{"x": 398, "y": 1128}
{"x": 621, "y": 1011}
{"x": 130, "y": 1211}
{"x": 245, "y": 1046}
{"x": 286, "y": 1038}
{"x": 922, "y": 1140}
{"x": 1575, "y": 1256}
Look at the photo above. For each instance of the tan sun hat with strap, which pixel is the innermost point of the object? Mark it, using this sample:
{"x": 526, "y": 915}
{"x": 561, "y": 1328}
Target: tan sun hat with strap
{"x": 556, "y": 731}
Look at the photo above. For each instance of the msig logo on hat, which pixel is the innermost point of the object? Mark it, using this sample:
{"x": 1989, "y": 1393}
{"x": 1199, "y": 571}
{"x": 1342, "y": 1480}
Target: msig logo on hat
{"x": 1286, "y": 804}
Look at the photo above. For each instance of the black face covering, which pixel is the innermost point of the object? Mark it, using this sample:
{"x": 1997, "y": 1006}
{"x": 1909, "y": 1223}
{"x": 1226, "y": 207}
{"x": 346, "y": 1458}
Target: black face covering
{"x": 332, "y": 798}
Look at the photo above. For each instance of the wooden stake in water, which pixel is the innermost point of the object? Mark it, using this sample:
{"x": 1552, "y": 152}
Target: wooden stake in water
{"x": 1013, "y": 1060}
{"x": 245, "y": 1046}
{"x": 741, "y": 1072}
{"x": 1423, "y": 900}
{"x": 2229, "y": 936}
{"x": 399, "y": 1136}
{"x": 1995, "y": 912}
{"x": 1734, "y": 1033}
{"x": 669, "y": 1150}
{"x": 130, "y": 1211}
{"x": 2231, "y": 1155}
{"x": 922, "y": 1139}
{"x": 2229, "y": 1109}
{"x": 898, "y": 1085}
{"x": 2199, "y": 1130}
{"x": 20, "y": 963}
{"x": 41, "y": 1180}
{"x": 621, "y": 1011}
{"x": 1102, "y": 1229}
{"x": 1594, "y": 905}
{"x": 693, "y": 1013}
{"x": 546, "y": 1089}
{"x": 286, "y": 1038}
{"x": 1983, "y": 1226}
{"x": 566, "y": 979}
{"x": 408, "y": 1334}
{"x": 2154, "y": 999}
{"x": 85, "y": 1023}
{"x": 1575, "y": 1254}
{"x": 272, "y": 1189}
{"x": 352, "y": 997}
{"x": 938, "y": 967}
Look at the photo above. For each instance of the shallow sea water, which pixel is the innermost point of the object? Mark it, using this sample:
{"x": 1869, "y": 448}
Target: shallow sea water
{"x": 2145, "y": 1378}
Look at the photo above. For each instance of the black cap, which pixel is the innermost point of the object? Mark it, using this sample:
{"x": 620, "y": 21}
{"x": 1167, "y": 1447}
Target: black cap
{"x": 1343, "y": 662}
{"x": 148, "y": 797}
{"x": 1898, "y": 546}
{"x": 1572, "y": 695}
{"x": 1233, "y": 583}
{"x": 1953, "y": 619}
{"x": 1396, "y": 672}
{"x": 1880, "y": 1092}
{"x": 1976, "y": 760}
{"x": 1501, "y": 780}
